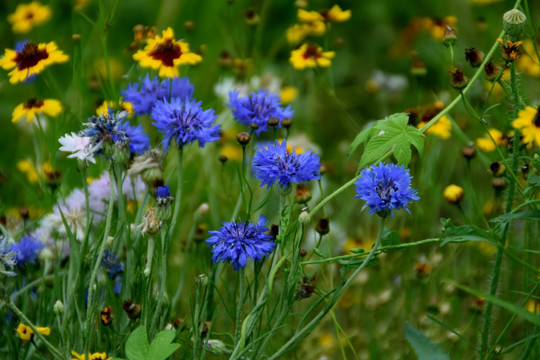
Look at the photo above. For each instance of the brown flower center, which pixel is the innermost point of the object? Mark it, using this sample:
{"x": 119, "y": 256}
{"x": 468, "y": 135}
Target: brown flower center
{"x": 311, "y": 52}
{"x": 33, "y": 103}
{"x": 166, "y": 52}
{"x": 30, "y": 56}
{"x": 29, "y": 15}
{"x": 536, "y": 119}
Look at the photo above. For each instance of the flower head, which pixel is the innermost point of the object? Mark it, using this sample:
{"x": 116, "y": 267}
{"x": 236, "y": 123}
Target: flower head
{"x": 31, "y": 109}
{"x": 31, "y": 60}
{"x": 336, "y": 14}
{"x": 486, "y": 144}
{"x": 26, "y": 250}
{"x": 257, "y": 108}
{"x": 528, "y": 121}
{"x": 26, "y": 333}
{"x": 236, "y": 242}
{"x": 104, "y": 129}
{"x": 275, "y": 164}
{"x": 139, "y": 142}
{"x": 112, "y": 264}
{"x": 144, "y": 94}
{"x": 78, "y": 146}
{"x": 510, "y": 49}
{"x": 185, "y": 122}
{"x": 442, "y": 128}
{"x": 94, "y": 356}
{"x": 27, "y": 16}
{"x": 310, "y": 56}
{"x": 385, "y": 188}
{"x": 166, "y": 54}
{"x": 148, "y": 165}
{"x": 453, "y": 194}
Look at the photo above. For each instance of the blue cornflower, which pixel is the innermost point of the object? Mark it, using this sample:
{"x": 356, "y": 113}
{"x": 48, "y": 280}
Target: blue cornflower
{"x": 275, "y": 164}
{"x": 104, "y": 128}
{"x": 138, "y": 140}
{"x": 185, "y": 122}
{"x": 112, "y": 265}
{"x": 235, "y": 242}
{"x": 26, "y": 250}
{"x": 145, "y": 93}
{"x": 385, "y": 188}
{"x": 163, "y": 191}
{"x": 257, "y": 108}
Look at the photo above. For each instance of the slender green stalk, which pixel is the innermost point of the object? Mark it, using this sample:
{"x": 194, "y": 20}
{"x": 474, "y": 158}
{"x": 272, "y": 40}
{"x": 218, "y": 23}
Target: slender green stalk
{"x": 92, "y": 284}
{"x": 239, "y": 306}
{"x": 178, "y": 191}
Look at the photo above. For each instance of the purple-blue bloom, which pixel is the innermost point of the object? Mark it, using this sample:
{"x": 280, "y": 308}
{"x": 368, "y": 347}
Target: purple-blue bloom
{"x": 236, "y": 242}
{"x": 163, "y": 191}
{"x": 385, "y": 188}
{"x": 257, "y": 108}
{"x": 275, "y": 164}
{"x": 103, "y": 128}
{"x": 138, "y": 140}
{"x": 147, "y": 92}
{"x": 26, "y": 250}
{"x": 185, "y": 122}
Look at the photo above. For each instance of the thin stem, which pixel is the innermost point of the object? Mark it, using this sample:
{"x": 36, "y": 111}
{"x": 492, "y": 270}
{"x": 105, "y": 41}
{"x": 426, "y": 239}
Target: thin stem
{"x": 178, "y": 191}
{"x": 239, "y": 307}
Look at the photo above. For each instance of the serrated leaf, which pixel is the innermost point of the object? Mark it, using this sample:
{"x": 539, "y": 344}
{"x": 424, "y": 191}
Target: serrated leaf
{"x": 359, "y": 139}
{"x": 452, "y": 234}
{"x": 424, "y": 348}
{"x": 393, "y": 133}
{"x": 137, "y": 347}
{"x": 162, "y": 346}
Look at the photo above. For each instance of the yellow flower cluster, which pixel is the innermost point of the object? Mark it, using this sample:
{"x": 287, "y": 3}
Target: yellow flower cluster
{"x": 27, "y": 16}
{"x": 312, "y": 23}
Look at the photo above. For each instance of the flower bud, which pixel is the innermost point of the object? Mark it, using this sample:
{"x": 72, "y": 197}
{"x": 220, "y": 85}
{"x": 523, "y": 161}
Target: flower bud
{"x": 223, "y": 159}
{"x": 121, "y": 152}
{"x": 132, "y": 310}
{"x": 273, "y": 121}
{"x": 323, "y": 226}
{"x": 450, "y": 37}
{"x": 498, "y": 183}
{"x": 303, "y": 195}
{"x": 202, "y": 280}
{"x": 217, "y": 347}
{"x": 58, "y": 307}
{"x": 150, "y": 224}
{"x": 514, "y": 24}
{"x": 163, "y": 201}
{"x": 304, "y": 218}
{"x": 453, "y": 194}
{"x": 474, "y": 57}
{"x": 251, "y": 17}
{"x": 287, "y": 122}
{"x": 491, "y": 71}
{"x": 459, "y": 80}
{"x": 469, "y": 152}
{"x": 243, "y": 138}
{"x": 496, "y": 168}
{"x": 303, "y": 252}
{"x": 202, "y": 211}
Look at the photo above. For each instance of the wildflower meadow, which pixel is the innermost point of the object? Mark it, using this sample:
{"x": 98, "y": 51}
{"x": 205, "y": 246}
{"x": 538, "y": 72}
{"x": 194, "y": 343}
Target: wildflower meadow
{"x": 241, "y": 179}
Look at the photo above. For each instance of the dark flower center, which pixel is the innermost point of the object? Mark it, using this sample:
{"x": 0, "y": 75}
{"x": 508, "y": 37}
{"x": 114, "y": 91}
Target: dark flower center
{"x": 166, "y": 52}
{"x": 536, "y": 119}
{"x": 311, "y": 52}
{"x": 33, "y": 103}
{"x": 29, "y": 15}
{"x": 385, "y": 189}
{"x": 30, "y": 56}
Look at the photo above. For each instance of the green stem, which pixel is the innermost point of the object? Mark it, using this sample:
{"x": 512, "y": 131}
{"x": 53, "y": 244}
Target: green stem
{"x": 178, "y": 191}
{"x": 239, "y": 307}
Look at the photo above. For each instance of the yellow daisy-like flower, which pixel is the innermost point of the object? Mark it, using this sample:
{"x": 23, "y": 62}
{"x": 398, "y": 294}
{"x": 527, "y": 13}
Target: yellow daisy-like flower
{"x": 103, "y": 109}
{"x": 528, "y": 121}
{"x": 32, "y": 60}
{"x": 94, "y": 356}
{"x": 485, "y": 143}
{"x": 442, "y": 128}
{"x": 26, "y": 333}
{"x": 310, "y": 56}
{"x": 296, "y": 33}
{"x": 336, "y": 14}
{"x": 166, "y": 54}
{"x": 27, "y": 16}
{"x": 288, "y": 94}
{"x": 453, "y": 194}
{"x": 31, "y": 109}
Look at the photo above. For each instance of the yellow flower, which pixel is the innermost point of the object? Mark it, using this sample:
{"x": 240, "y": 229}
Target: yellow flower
{"x": 453, "y": 194}
{"x": 528, "y": 121}
{"x": 533, "y": 306}
{"x": 26, "y": 16}
{"x": 94, "y": 356}
{"x": 26, "y": 333}
{"x": 337, "y": 15}
{"x": 288, "y": 94}
{"x": 296, "y": 33}
{"x": 310, "y": 56}
{"x": 442, "y": 128}
{"x": 232, "y": 152}
{"x": 510, "y": 49}
{"x": 485, "y": 143}
{"x": 166, "y": 54}
{"x": 32, "y": 108}
{"x": 305, "y": 16}
{"x": 32, "y": 60}
{"x": 103, "y": 109}
{"x": 527, "y": 62}
{"x": 27, "y": 168}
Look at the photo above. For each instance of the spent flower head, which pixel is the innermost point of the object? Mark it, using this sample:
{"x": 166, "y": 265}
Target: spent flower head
{"x": 257, "y": 108}
{"x": 184, "y": 122}
{"x": 236, "y": 242}
{"x": 274, "y": 164}
{"x": 385, "y": 188}
{"x": 104, "y": 129}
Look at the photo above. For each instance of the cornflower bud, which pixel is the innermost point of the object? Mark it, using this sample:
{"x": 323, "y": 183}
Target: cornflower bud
{"x": 514, "y": 24}
{"x": 243, "y": 138}
{"x": 453, "y": 194}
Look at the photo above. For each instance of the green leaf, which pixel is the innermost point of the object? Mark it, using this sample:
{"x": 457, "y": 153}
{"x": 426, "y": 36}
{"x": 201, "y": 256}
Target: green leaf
{"x": 535, "y": 319}
{"x": 393, "y": 133}
{"x": 161, "y": 347}
{"x": 390, "y": 238}
{"x": 424, "y": 348}
{"x": 524, "y": 215}
{"x": 137, "y": 347}
{"x": 360, "y": 139}
{"x": 465, "y": 233}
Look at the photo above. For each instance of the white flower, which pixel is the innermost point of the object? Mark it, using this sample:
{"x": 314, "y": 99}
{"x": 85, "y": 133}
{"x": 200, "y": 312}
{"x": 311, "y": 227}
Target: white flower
{"x": 78, "y": 146}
